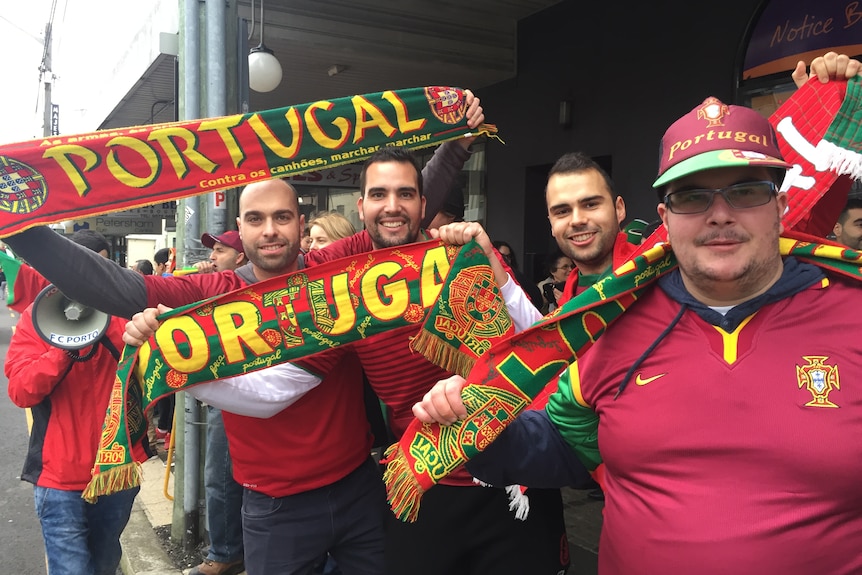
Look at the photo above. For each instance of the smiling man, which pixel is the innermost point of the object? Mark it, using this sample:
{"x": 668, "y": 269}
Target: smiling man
{"x": 722, "y": 399}
{"x": 471, "y": 529}
{"x": 585, "y": 216}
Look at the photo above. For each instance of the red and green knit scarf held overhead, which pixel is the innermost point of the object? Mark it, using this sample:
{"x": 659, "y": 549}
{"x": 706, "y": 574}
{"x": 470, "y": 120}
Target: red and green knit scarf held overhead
{"x": 506, "y": 379}
{"x": 62, "y": 178}
{"x": 289, "y": 317}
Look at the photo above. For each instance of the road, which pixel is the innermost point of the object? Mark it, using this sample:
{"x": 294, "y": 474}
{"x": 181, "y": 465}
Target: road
{"x": 21, "y": 545}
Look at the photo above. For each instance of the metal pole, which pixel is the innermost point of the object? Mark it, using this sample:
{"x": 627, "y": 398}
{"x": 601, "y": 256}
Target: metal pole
{"x": 192, "y": 234}
{"x": 216, "y": 98}
{"x": 49, "y": 81}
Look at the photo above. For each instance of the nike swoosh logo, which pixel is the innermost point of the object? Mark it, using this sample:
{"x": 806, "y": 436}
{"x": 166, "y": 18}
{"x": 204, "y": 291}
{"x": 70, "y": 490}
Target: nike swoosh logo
{"x": 641, "y": 381}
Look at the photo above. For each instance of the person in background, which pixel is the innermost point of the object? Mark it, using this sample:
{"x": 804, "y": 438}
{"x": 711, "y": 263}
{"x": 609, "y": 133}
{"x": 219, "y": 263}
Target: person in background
{"x": 161, "y": 259}
{"x": 305, "y": 242}
{"x": 165, "y": 406}
{"x": 559, "y": 268}
{"x": 327, "y": 227}
{"x": 226, "y": 252}
{"x": 222, "y": 494}
{"x": 143, "y": 267}
{"x": 527, "y": 284}
{"x": 848, "y": 228}
{"x": 67, "y": 393}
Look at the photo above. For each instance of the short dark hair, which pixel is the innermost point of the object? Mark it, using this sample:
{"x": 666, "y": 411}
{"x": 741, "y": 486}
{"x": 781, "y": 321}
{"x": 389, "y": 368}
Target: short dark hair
{"x": 92, "y": 240}
{"x": 391, "y": 154}
{"x": 577, "y": 162}
{"x": 852, "y": 204}
{"x": 162, "y": 256}
{"x": 144, "y": 266}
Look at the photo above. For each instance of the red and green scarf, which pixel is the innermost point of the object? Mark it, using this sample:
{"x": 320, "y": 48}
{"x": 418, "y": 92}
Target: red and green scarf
{"x": 61, "y": 178}
{"x": 505, "y": 380}
{"x": 290, "y": 317}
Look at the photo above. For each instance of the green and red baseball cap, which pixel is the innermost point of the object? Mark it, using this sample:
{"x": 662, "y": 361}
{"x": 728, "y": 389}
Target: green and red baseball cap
{"x": 715, "y": 135}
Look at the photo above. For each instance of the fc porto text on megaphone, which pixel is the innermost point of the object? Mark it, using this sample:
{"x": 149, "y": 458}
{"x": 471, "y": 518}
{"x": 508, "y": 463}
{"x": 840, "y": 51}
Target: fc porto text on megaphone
{"x": 65, "y": 323}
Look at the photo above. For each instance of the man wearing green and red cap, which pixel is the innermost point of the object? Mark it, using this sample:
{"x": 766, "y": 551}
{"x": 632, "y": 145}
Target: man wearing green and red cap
{"x": 724, "y": 398}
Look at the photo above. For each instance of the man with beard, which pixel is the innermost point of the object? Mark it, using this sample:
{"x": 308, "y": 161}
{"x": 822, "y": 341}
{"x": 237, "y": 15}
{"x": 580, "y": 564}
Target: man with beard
{"x": 713, "y": 369}
{"x": 469, "y": 528}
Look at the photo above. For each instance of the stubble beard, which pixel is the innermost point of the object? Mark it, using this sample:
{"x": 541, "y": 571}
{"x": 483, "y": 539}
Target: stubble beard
{"x": 750, "y": 279}
{"x": 276, "y": 265}
{"x": 380, "y": 242}
{"x": 598, "y": 256}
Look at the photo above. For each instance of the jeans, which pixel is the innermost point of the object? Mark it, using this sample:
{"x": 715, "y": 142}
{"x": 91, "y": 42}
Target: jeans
{"x": 82, "y": 538}
{"x": 223, "y": 495}
{"x": 289, "y": 535}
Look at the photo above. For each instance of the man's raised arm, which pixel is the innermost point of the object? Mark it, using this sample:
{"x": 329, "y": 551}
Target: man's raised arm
{"x": 81, "y": 274}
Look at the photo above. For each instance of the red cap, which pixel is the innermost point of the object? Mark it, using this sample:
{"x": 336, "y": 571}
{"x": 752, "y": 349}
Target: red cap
{"x": 715, "y": 135}
{"x": 230, "y": 239}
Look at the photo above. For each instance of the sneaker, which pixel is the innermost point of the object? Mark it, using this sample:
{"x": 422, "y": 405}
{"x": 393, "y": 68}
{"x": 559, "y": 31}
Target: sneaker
{"x": 210, "y": 567}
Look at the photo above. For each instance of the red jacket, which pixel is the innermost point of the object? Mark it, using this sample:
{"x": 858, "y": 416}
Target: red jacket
{"x": 68, "y": 402}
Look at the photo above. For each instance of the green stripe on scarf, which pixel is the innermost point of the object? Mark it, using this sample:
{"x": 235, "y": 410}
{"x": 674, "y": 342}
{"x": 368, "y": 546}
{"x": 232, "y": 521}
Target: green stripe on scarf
{"x": 69, "y": 177}
{"x": 283, "y": 319}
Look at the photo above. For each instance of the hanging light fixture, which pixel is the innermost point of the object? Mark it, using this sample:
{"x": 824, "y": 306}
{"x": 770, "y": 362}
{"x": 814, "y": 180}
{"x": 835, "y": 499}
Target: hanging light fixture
{"x": 264, "y": 70}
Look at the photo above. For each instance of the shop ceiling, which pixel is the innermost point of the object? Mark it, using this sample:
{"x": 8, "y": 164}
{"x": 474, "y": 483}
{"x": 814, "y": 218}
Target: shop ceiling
{"x": 371, "y": 45}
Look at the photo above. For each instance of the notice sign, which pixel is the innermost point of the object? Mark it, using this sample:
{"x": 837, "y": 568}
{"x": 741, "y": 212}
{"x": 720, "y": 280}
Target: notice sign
{"x": 787, "y": 32}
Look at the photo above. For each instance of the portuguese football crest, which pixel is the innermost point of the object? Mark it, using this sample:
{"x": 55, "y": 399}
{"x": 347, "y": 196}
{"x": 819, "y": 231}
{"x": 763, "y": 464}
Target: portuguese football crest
{"x": 818, "y": 378}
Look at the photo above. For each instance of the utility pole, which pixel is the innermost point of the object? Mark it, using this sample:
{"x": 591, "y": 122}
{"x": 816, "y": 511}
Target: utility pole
{"x": 48, "y": 75}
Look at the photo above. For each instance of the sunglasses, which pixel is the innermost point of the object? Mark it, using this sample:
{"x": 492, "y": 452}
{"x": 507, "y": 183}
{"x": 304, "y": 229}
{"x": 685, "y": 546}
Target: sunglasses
{"x": 737, "y": 196}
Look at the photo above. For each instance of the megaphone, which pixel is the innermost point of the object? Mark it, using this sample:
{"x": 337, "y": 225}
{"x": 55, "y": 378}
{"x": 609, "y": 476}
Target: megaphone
{"x": 65, "y": 323}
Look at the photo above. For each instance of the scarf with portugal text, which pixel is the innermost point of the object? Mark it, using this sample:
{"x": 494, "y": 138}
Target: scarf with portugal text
{"x": 58, "y": 178}
{"x": 296, "y": 315}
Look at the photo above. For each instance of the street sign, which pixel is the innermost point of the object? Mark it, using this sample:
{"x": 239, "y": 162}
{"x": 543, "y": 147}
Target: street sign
{"x": 116, "y": 225}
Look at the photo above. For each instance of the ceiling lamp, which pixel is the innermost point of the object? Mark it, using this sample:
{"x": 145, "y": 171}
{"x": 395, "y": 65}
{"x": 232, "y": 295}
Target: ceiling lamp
{"x": 264, "y": 70}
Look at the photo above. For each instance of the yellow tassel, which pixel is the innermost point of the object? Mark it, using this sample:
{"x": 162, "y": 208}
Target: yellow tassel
{"x": 112, "y": 481}
{"x": 402, "y": 489}
{"x": 441, "y": 353}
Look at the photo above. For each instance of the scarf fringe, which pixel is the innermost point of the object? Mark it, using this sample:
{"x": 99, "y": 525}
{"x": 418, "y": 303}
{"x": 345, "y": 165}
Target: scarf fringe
{"x": 841, "y": 160}
{"x": 402, "y": 489}
{"x": 442, "y": 354}
{"x": 112, "y": 481}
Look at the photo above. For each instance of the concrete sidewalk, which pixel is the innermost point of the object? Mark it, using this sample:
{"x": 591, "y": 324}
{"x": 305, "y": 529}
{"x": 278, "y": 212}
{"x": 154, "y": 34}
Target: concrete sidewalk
{"x": 143, "y": 553}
